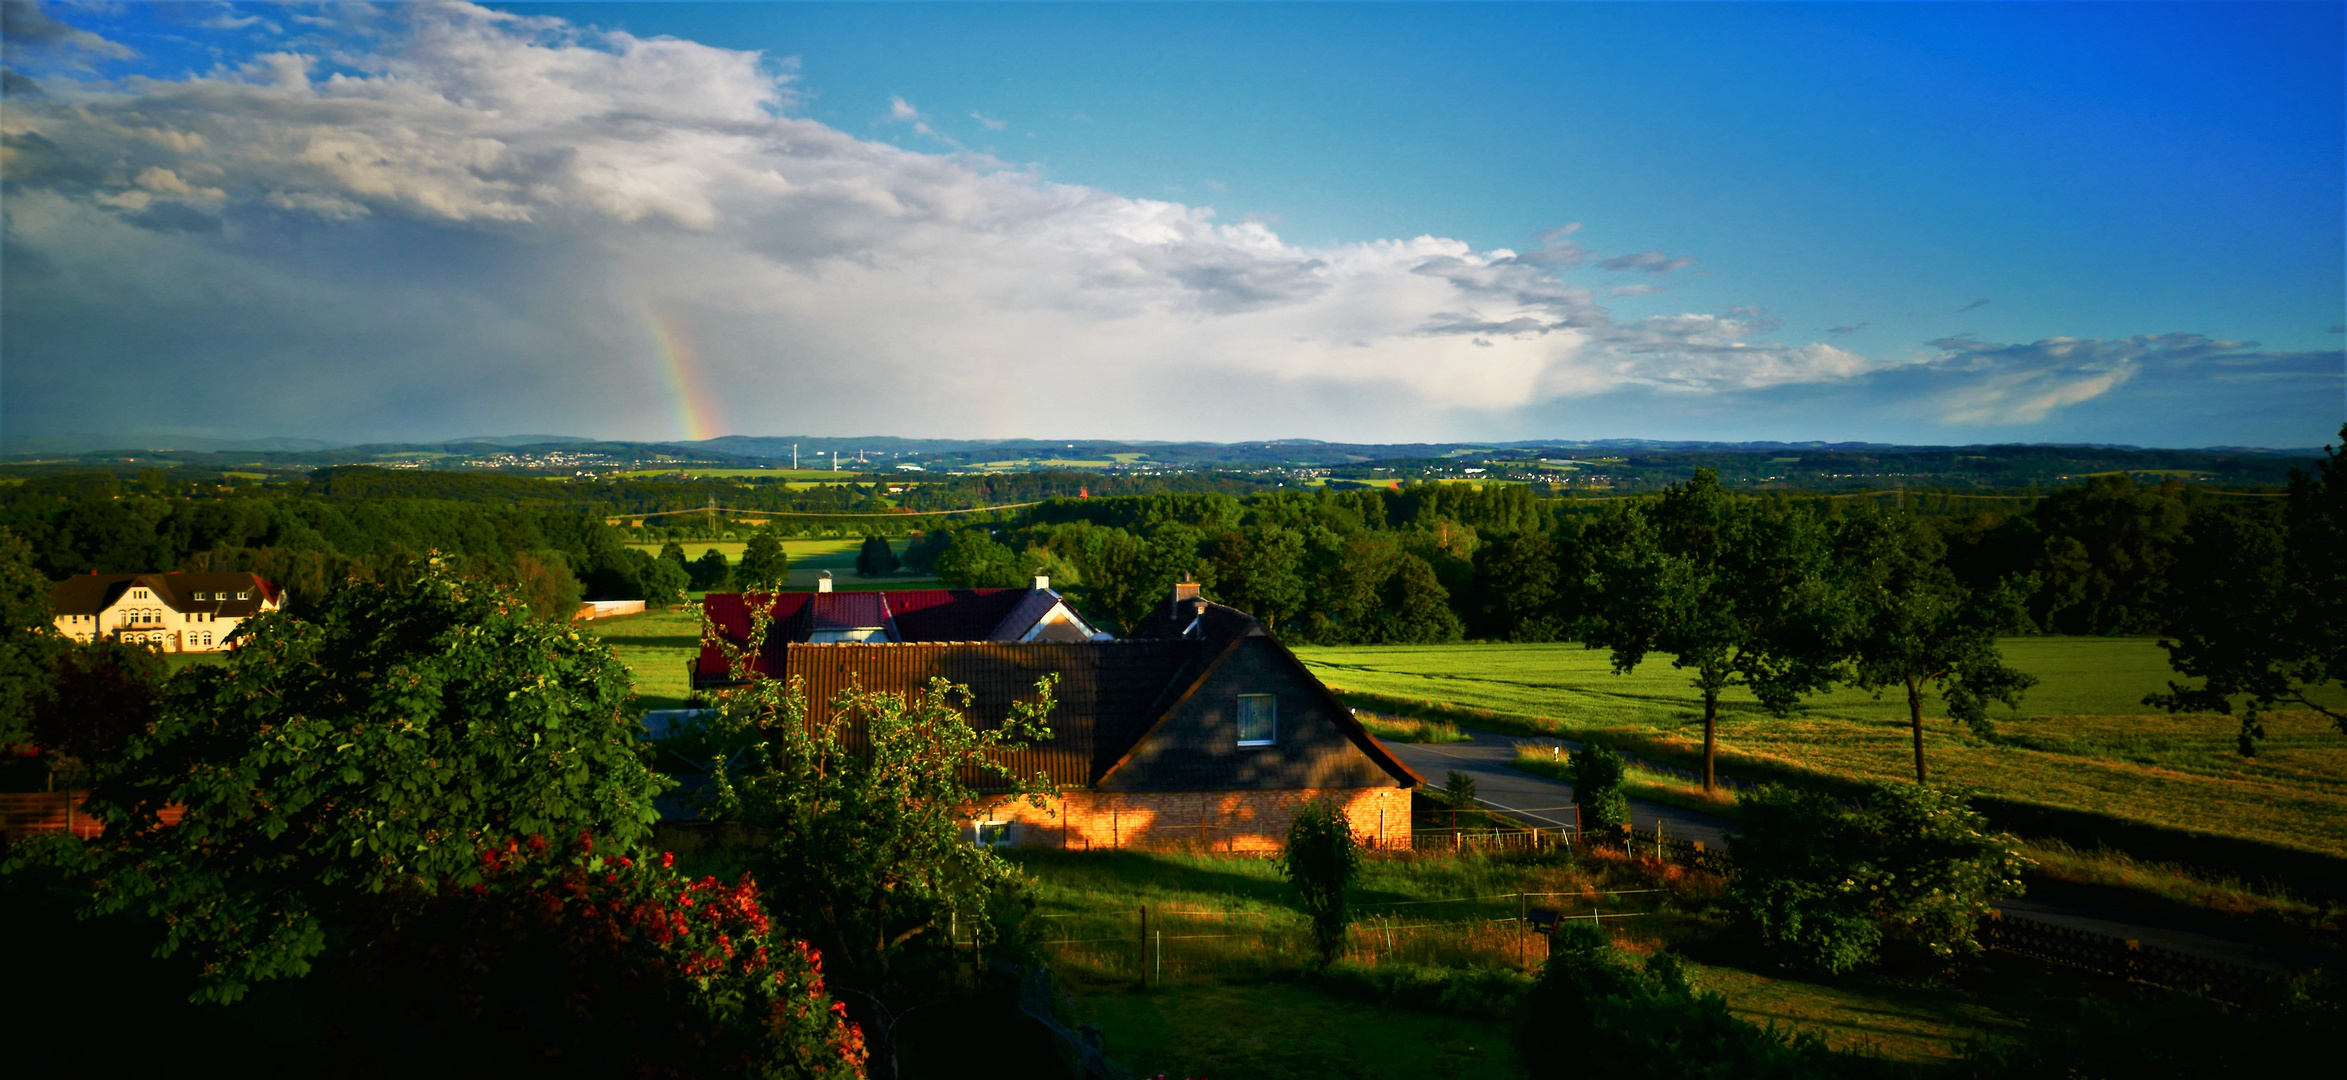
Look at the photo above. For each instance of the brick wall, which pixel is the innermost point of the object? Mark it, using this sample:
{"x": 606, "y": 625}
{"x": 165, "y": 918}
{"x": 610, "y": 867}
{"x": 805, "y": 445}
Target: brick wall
{"x": 1254, "y": 821}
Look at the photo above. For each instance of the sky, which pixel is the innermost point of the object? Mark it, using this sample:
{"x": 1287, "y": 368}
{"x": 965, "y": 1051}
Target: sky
{"x": 1905, "y": 223}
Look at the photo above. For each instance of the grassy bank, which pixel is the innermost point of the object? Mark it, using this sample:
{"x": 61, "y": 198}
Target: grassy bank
{"x": 2082, "y": 740}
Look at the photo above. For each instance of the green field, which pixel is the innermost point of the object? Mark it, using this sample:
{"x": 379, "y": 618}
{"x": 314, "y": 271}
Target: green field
{"x": 2082, "y": 739}
{"x": 808, "y": 560}
{"x": 655, "y": 646}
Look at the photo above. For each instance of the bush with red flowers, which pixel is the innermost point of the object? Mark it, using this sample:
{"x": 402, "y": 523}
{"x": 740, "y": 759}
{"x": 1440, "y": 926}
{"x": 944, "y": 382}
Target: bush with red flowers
{"x": 573, "y": 963}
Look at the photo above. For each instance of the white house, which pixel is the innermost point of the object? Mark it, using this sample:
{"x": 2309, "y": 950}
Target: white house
{"x": 174, "y": 612}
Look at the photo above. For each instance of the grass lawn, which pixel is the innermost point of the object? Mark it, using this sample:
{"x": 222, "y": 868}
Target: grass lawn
{"x": 2082, "y": 739}
{"x": 1279, "y": 1030}
{"x": 1234, "y": 946}
{"x": 655, "y": 646}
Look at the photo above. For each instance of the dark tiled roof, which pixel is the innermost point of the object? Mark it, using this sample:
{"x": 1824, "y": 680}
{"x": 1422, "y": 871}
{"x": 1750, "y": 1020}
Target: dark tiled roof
{"x": 1032, "y": 608}
{"x": 951, "y": 614}
{"x": 90, "y": 594}
{"x": 847, "y": 611}
{"x": 1108, "y": 692}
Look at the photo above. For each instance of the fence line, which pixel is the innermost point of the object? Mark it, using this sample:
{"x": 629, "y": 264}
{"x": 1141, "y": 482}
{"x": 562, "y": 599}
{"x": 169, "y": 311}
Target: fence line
{"x": 2125, "y": 958}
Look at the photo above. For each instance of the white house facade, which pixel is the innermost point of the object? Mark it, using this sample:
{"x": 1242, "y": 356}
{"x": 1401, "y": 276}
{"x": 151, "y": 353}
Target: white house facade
{"x": 173, "y": 612}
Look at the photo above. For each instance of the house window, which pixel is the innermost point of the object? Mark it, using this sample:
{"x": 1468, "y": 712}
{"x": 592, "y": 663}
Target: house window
{"x": 992, "y": 833}
{"x": 244, "y": 594}
{"x": 1258, "y": 719}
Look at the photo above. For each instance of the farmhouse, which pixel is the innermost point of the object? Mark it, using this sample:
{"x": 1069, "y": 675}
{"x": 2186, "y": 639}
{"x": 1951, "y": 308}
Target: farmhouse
{"x": 174, "y": 612}
{"x": 1199, "y": 729}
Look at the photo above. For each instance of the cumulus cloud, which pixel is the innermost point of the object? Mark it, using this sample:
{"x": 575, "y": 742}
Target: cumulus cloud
{"x": 483, "y": 221}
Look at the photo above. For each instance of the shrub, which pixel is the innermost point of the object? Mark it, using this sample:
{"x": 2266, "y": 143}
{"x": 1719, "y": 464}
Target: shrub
{"x": 1473, "y": 992}
{"x": 1321, "y": 859}
{"x": 1595, "y": 1013}
{"x": 578, "y": 964}
{"x": 1912, "y": 871}
{"x": 1458, "y": 791}
{"x": 1596, "y": 773}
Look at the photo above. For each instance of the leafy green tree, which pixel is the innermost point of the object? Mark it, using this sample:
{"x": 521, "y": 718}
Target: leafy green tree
{"x": 28, "y": 637}
{"x": 1259, "y": 570}
{"x": 544, "y": 580}
{"x": 1828, "y": 887}
{"x": 975, "y": 560}
{"x": 2108, "y": 546}
{"x": 333, "y": 760}
{"x": 876, "y": 557}
{"x": 1742, "y": 595}
{"x": 922, "y": 550}
{"x": 2259, "y": 607}
{"x": 1596, "y": 773}
{"x": 711, "y": 572}
{"x": 1918, "y": 628}
{"x": 664, "y": 581}
{"x": 1372, "y": 592}
{"x": 869, "y": 856}
{"x": 1322, "y": 859}
{"x": 98, "y": 696}
{"x": 764, "y": 563}
{"x": 673, "y": 552}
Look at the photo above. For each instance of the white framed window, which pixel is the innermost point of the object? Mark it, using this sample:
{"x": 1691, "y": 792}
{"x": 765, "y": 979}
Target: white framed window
{"x": 244, "y": 594}
{"x": 991, "y": 833}
{"x": 1258, "y": 717}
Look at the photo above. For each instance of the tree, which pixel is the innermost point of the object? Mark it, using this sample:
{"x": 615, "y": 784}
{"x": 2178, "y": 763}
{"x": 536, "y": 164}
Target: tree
{"x": 1595, "y": 1012}
{"x": 764, "y": 563}
{"x": 28, "y": 637}
{"x": 975, "y": 561}
{"x": 1322, "y": 858}
{"x": 673, "y": 552}
{"x": 2107, "y": 548}
{"x": 2259, "y": 607}
{"x": 876, "y": 558}
{"x": 1458, "y": 792}
{"x": 98, "y": 697}
{"x": 1259, "y": 570}
{"x": 1828, "y": 887}
{"x": 336, "y": 759}
{"x": 1739, "y": 594}
{"x": 710, "y": 572}
{"x": 867, "y": 855}
{"x": 1918, "y": 628}
{"x": 1596, "y": 773}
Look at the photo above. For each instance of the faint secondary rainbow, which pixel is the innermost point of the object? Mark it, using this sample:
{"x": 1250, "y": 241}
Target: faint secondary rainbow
{"x": 694, "y": 404}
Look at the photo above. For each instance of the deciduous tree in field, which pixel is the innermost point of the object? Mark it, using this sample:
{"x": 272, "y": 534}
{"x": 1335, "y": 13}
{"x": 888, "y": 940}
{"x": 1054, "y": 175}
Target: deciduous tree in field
{"x": 98, "y": 697}
{"x": 2258, "y": 606}
{"x": 1322, "y": 859}
{"x": 373, "y": 747}
{"x": 1918, "y": 628}
{"x": 764, "y": 562}
{"x": 876, "y": 557}
{"x": 1739, "y": 593}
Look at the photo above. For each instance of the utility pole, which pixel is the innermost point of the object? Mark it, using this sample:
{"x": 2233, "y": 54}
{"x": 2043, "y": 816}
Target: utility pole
{"x": 712, "y": 517}
{"x": 794, "y": 457}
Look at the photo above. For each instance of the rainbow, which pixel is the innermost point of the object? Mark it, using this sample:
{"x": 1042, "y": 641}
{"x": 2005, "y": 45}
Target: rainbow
{"x": 695, "y": 406}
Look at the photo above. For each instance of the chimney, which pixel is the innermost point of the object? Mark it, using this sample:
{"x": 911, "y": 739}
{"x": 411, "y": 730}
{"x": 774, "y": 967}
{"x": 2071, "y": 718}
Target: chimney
{"x": 823, "y": 582}
{"x": 1042, "y": 582}
{"x": 1185, "y": 590}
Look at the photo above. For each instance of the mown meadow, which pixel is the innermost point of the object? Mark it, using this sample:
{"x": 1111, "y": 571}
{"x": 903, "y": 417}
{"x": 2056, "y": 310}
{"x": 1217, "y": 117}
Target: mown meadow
{"x": 2081, "y": 740}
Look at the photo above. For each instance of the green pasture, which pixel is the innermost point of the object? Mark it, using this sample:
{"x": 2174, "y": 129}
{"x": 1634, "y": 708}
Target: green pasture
{"x": 2081, "y": 740}
{"x": 1281, "y": 1030}
{"x": 808, "y": 560}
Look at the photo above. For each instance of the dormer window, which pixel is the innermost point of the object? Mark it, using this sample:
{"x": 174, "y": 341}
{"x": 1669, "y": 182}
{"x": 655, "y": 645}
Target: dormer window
{"x": 1258, "y": 717}
{"x": 244, "y": 594}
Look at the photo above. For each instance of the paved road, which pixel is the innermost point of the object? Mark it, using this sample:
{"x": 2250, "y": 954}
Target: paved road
{"x": 1536, "y": 800}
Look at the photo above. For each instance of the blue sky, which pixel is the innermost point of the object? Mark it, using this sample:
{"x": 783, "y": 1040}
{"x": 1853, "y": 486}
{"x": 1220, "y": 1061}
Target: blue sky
{"x": 1896, "y": 222}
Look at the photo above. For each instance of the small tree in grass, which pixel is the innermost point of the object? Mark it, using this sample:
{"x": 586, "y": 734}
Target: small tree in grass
{"x": 1321, "y": 860}
{"x": 1596, "y": 772}
{"x": 764, "y": 563}
{"x": 1458, "y": 792}
{"x": 1912, "y": 870}
{"x": 876, "y": 557}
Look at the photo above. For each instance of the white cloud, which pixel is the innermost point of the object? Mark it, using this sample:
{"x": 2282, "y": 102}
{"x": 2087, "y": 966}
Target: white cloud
{"x": 988, "y": 122}
{"x": 592, "y": 178}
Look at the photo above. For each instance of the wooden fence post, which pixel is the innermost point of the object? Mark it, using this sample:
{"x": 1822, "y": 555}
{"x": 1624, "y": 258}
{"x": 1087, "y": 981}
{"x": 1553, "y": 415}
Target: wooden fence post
{"x": 1144, "y": 946}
